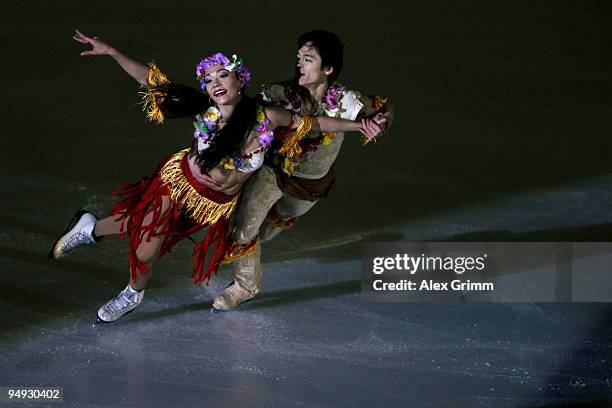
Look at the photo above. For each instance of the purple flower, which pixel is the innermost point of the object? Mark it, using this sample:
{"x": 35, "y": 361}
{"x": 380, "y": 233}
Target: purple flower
{"x": 235, "y": 64}
{"x": 331, "y": 97}
{"x": 265, "y": 139}
{"x": 244, "y": 75}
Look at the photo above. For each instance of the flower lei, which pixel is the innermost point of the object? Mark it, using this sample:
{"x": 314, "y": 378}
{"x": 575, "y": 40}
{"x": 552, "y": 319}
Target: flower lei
{"x": 207, "y": 124}
{"x": 331, "y": 100}
{"x": 331, "y": 107}
{"x": 235, "y": 64}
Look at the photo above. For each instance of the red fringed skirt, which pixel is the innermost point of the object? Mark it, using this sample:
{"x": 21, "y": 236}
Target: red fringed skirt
{"x": 193, "y": 207}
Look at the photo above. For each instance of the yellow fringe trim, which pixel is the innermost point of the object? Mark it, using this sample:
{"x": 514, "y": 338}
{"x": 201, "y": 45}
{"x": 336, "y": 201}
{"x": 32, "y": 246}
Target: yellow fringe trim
{"x": 201, "y": 209}
{"x": 156, "y": 77}
{"x": 378, "y": 102}
{"x": 288, "y": 165}
{"x": 152, "y": 99}
{"x": 240, "y": 251}
{"x": 291, "y": 146}
{"x": 365, "y": 140}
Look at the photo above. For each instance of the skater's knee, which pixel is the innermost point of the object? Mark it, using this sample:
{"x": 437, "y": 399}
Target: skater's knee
{"x": 146, "y": 254}
{"x": 243, "y": 237}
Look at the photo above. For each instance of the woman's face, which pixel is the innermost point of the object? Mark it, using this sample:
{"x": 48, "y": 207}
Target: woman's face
{"x": 309, "y": 70}
{"x": 222, "y": 85}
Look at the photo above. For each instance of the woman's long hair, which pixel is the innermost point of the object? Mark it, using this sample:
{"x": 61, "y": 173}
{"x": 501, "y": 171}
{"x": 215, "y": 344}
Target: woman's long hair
{"x": 182, "y": 101}
{"x": 228, "y": 140}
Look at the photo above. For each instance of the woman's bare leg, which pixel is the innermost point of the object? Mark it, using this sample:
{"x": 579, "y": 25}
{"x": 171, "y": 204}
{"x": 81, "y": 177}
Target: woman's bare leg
{"x": 148, "y": 251}
{"x": 108, "y": 226}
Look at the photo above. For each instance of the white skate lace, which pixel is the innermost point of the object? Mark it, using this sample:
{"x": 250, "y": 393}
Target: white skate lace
{"x": 77, "y": 239}
{"x": 119, "y": 304}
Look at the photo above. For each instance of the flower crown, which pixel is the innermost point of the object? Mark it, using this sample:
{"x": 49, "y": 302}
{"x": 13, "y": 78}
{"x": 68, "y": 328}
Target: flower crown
{"x": 233, "y": 64}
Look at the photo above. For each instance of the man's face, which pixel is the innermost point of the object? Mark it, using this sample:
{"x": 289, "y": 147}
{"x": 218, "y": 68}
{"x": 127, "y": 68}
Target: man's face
{"x": 309, "y": 68}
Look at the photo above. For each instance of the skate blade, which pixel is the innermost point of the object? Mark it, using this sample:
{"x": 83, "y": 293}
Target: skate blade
{"x": 100, "y": 322}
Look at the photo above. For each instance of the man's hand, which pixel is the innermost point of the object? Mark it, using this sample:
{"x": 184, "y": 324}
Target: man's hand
{"x": 209, "y": 181}
{"x": 373, "y": 127}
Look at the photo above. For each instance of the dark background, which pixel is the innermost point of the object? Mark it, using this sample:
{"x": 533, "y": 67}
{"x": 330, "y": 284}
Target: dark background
{"x": 502, "y": 132}
{"x": 491, "y": 99}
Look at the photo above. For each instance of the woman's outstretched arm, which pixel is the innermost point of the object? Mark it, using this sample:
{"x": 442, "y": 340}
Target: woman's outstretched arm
{"x": 135, "y": 69}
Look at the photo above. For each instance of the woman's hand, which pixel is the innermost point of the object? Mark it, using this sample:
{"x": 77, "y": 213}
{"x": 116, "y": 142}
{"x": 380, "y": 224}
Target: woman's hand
{"x": 135, "y": 69}
{"x": 98, "y": 47}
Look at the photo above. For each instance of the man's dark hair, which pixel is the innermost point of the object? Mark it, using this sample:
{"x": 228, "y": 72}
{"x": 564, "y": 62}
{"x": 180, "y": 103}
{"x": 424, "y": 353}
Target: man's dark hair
{"x": 329, "y": 47}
